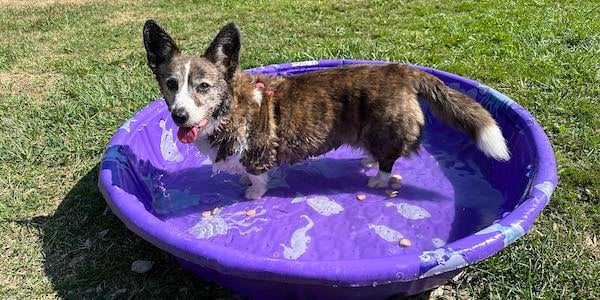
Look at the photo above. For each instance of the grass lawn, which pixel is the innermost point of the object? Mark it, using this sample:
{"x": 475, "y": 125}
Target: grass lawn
{"x": 72, "y": 71}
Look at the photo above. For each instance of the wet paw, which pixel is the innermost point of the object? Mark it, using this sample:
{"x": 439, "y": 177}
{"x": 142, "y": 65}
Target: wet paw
{"x": 378, "y": 181}
{"x": 245, "y": 180}
{"x": 255, "y": 193}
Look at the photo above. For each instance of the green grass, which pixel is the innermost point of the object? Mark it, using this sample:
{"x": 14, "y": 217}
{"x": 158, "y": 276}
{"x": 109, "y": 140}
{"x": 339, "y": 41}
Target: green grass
{"x": 70, "y": 74}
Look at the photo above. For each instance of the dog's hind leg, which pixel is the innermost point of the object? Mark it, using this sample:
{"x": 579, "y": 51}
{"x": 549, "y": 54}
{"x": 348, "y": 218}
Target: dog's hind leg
{"x": 368, "y": 162}
{"x": 390, "y": 137}
{"x": 386, "y": 152}
{"x": 382, "y": 179}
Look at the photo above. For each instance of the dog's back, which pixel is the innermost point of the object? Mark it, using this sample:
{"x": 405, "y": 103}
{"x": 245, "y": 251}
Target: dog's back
{"x": 376, "y": 108}
{"x": 367, "y": 106}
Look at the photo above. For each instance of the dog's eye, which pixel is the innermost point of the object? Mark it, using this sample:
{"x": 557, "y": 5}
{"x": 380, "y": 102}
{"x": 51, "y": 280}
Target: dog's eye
{"x": 203, "y": 87}
{"x": 172, "y": 84}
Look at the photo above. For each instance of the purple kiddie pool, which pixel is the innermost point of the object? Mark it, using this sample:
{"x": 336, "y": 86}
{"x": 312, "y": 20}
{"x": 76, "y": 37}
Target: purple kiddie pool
{"x": 309, "y": 237}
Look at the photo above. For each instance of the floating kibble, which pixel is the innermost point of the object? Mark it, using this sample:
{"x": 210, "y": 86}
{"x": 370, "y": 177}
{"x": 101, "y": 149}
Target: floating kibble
{"x": 361, "y": 197}
{"x": 216, "y": 211}
{"x": 405, "y": 243}
{"x": 251, "y": 212}
{"x": 206, "y": 214}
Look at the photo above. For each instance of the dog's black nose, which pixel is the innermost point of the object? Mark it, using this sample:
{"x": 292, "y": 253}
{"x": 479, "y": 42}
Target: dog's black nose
{"x": 180, "y": 116}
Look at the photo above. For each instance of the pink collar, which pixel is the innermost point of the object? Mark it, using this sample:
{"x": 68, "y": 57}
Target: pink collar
{"x": 261, "y": 86}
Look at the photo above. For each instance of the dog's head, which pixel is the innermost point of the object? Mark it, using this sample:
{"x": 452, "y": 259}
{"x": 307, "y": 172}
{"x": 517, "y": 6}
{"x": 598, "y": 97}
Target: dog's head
{"x": 197, "y": 89}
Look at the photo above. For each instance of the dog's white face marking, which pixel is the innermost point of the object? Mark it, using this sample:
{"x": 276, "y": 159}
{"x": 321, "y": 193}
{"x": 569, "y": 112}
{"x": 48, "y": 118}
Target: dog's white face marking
{"x": 184, "y": 100}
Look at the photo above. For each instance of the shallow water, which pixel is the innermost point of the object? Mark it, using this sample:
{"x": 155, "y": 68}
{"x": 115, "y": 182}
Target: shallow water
{"x": 443, "y": 197}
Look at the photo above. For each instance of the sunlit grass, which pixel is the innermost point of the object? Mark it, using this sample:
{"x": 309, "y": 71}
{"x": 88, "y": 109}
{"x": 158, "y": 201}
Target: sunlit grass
{"x": 70, "y": 74}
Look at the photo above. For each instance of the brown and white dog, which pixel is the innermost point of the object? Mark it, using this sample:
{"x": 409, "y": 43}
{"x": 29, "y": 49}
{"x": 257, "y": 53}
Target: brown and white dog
{"x": 249, "y": 124}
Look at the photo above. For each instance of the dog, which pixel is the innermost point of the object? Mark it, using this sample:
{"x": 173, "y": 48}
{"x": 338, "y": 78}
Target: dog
{"x": 249, "y": 124}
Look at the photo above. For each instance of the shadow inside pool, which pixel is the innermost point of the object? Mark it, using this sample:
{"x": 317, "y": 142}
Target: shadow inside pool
{"x": 171, "y": 194}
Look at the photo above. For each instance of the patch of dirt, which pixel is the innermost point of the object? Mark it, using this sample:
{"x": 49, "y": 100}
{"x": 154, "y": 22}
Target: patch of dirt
{"x": 591, "y": 244}
{"x": 35, "y": 86}
{"x": 126, "y": 16}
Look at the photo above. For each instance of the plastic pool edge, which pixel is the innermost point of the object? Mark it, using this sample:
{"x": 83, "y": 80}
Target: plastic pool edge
{"x": 349, "y": 272}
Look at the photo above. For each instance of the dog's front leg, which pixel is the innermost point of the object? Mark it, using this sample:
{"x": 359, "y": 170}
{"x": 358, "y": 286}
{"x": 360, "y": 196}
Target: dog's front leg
{"x": 245, "y": 180}
{"x": 258, "y": 187}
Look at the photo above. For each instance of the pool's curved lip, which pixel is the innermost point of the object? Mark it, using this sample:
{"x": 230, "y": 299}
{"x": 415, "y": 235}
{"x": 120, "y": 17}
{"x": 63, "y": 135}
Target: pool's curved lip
{"x": 472, "y": 248}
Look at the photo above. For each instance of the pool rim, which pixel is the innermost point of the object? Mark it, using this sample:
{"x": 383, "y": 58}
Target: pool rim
{"x": 353, "y": 273}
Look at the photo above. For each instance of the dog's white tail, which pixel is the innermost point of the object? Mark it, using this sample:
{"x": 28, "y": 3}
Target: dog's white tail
{"x": 492, "y": 143}
{"x": 464, "y": 113}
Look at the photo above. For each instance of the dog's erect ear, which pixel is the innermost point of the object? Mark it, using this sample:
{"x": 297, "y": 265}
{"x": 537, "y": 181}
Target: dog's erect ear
{"x": 160, "y": 47}
{"x": 224, "y": 51}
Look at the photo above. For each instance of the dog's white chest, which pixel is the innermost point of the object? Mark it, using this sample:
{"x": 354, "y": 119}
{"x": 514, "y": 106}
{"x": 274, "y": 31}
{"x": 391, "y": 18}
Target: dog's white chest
{"x": 231, "y": 164}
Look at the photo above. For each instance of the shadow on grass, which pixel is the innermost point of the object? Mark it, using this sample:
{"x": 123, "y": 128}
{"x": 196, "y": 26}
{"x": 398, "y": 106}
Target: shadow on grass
{"x": 88, "y": 254}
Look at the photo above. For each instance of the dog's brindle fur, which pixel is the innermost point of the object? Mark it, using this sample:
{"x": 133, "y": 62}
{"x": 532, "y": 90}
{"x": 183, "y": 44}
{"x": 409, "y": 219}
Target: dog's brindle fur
{"x": 372, "y": 107}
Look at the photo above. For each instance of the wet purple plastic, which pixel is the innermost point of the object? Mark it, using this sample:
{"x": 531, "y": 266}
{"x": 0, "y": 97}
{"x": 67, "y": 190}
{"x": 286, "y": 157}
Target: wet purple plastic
{"x": 311, "y": 238}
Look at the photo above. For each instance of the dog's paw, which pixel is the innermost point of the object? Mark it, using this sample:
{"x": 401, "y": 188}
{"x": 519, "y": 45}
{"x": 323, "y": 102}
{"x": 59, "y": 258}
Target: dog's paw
{"x": 255, "y": 193}
{"x": 378, "y": 181}
{"x": 245, "y": 180}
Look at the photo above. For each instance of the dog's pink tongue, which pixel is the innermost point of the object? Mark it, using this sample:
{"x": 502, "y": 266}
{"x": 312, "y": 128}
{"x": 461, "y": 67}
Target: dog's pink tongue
{"x": 187, "y": 135}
